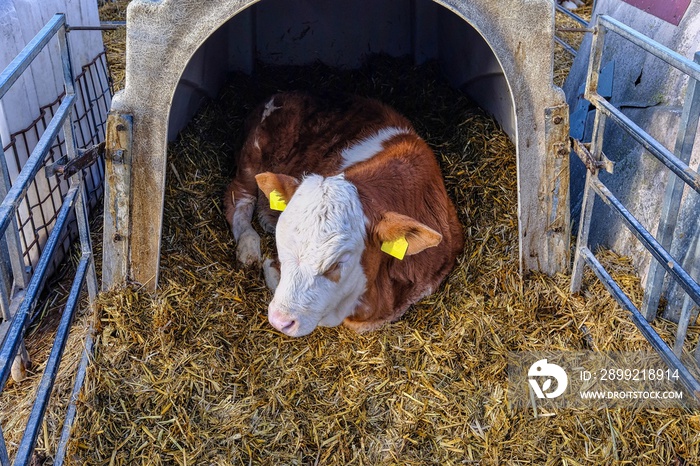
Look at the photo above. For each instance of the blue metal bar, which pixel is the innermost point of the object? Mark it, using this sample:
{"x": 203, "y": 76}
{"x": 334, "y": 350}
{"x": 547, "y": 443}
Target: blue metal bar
{"x": 594, "y": 62}
{"x": 103, "y": 26}
{"x": 647, "y": 330}
{"x": 665, "y": 156}
{"x": 5, "y": 279}
{"x": 660, "y": 254}
{"x": 674, "y": 59}
{"x": 592, "y": 76}
{"x": 64, "y": 49}
{"x": 588, "y": 195}
{"x": 682, "y": 329}
{"x": 4, "y": 457}
{"x": 14, "y": 335}
{"x": 26, "y": 446}
{"x": 584, "y": 228}
{"x": 77, "y": 179}
{"x": 29, "y": 52}
{"x": 572, "y": 51}
{"x": 33, "y": 164}
{"x": 72, "y": 408}
{"x": 11, "y": 255}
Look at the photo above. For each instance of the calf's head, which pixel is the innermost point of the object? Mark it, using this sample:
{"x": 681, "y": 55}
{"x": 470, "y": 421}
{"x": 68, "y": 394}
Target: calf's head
{"x": 322, "y": 235}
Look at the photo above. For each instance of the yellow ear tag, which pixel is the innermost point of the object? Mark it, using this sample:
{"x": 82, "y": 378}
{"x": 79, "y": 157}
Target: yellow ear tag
{"x": 396, "y": 248}
{"x": 276, "y": 201}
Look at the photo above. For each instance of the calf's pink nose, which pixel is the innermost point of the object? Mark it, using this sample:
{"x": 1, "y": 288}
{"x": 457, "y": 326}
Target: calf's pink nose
{"x": 280, "y": 320}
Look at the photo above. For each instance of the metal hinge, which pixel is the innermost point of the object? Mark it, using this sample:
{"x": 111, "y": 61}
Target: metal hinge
{"x": 84, "y": 159}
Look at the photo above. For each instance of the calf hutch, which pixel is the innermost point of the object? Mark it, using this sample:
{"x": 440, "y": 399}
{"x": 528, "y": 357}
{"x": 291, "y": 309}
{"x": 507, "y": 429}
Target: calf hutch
{"x": 500, "y": 53}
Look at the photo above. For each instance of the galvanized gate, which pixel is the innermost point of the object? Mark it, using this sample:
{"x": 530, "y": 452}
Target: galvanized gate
{"x": 594, "y": 159}
{"x": 19, "y": 289}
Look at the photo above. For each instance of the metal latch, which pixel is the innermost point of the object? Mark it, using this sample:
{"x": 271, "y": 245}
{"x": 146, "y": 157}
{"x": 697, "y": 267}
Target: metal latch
{"x": 593, "y": 165}
{"x": 84, "y": 159}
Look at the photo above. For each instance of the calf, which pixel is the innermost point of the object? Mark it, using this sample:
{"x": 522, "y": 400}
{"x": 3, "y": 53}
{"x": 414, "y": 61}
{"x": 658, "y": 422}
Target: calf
{"x": 571, "y": 4}
{"x": 363, "y": 224}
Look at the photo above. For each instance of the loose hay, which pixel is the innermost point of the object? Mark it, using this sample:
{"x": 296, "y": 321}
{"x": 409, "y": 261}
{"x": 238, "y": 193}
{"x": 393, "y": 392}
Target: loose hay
{"x": 195, "y": 375}
{"x": 115, "y": 10}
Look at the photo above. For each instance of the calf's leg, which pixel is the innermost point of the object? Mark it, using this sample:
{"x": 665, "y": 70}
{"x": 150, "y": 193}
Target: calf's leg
{"x": 239, "y": 201}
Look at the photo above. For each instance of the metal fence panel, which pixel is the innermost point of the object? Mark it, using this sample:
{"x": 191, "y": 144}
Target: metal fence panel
{"x": 595, "y": 159}
{"x": 68, "y": 199}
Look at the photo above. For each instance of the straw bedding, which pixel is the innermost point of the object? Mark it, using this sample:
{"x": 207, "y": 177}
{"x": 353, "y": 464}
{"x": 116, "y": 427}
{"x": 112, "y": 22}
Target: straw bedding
{"x": 194, "y": 374}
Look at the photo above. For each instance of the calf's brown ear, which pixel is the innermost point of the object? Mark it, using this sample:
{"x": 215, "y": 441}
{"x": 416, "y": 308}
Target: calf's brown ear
{"x": 284, "y": 185}
{"x": 395, "y": 227}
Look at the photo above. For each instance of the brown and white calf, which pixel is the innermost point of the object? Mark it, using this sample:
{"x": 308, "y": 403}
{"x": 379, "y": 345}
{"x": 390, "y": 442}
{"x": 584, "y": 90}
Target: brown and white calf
{"x": 363, "y": 224}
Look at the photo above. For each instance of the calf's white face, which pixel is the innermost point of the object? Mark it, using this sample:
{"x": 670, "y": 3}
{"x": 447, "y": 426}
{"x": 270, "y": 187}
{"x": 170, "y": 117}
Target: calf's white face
{"x": 320, "y": 241}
